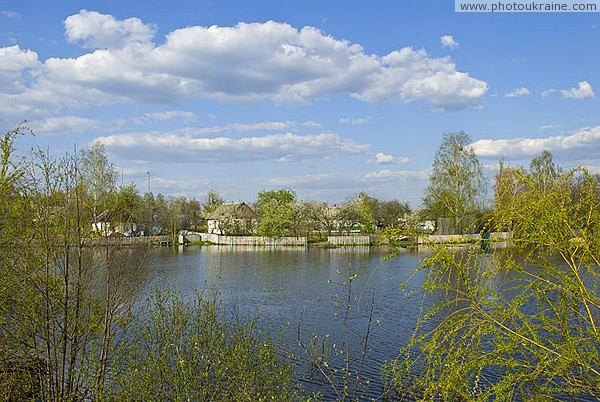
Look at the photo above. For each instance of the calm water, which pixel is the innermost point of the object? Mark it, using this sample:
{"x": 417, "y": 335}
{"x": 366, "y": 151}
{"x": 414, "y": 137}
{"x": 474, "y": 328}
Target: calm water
{"x": 295, "y": 287}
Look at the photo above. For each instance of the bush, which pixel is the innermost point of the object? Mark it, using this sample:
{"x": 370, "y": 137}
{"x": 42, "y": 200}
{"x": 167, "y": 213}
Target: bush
{"x": 194, "y": 351}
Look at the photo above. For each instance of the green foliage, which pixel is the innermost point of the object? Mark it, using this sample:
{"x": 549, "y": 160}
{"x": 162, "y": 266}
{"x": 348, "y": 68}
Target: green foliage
{"x": 456, "y": 183}
{"x": 277, "y": 212}
{"x": 64, "y": 298}
{"x": 181, "y": 351}
{"x": 126, "y": 204}
{"x": 521, "y": 322}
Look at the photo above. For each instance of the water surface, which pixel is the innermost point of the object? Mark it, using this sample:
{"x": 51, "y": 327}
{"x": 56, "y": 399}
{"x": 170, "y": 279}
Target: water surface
{"x": 293, "y": 290}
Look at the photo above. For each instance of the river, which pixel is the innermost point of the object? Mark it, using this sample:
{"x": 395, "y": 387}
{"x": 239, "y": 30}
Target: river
{"x": 295, "y": 291}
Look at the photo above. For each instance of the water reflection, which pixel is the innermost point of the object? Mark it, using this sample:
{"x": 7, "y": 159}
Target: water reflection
{"x": 291, "y": 287}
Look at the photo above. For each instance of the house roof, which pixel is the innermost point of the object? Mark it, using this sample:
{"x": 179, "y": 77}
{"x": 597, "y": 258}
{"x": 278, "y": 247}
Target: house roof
{"x": 235, "y": 210}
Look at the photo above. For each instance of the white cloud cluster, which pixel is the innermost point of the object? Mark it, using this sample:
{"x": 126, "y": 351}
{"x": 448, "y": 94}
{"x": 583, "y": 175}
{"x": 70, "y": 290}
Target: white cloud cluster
{"x": 276, "y": 147}
{"x": 14, "y": 64}
{"x": 583, "y": 140}
{"x": 449, "y": 42}
{"x": 518, "y": 93}
{"x": 582, "y": 91}
{"x": 382, "y": 158}
{"x": 102, "y": 31}
{"x": 248, "y": 62}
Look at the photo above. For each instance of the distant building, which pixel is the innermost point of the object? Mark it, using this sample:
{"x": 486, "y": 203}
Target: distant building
{"x": 235, "y": 218}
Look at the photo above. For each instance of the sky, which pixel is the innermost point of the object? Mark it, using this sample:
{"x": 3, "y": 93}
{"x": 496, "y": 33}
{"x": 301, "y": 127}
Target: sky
{"x": 328, "y": 98}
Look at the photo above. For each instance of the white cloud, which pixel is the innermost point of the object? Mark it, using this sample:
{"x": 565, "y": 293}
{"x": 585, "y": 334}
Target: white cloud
{"x": 356, "y": 121}
{"x": 97, "y": 31}
{"x": 276, "y": 147}
{"x": 65, "y": 124}
{"x": 585, "y": 140}
{"x": 248, "y": 62}
{"x": 15, "y": 65}
{"x": 165, "y": 116}
{"x": 515, "y": 93}
{"x": 382, "y": 158}
{"x": 547, "y": 127}
{"x": 449, "y": 42}
{"x": 397, "y": 175}
{"x": 582, "y": 91}
{"x": 11, "y": 15}
{"x": 411, "y": 75}
{"x": 237, "y": 127}
{"x": 311, "y": 124}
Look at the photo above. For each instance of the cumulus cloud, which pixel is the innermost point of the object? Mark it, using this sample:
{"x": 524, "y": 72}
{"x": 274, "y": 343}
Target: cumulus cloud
{"x": 382, "y": 158}
{"x": 411, "y": 75}
{"x": 15, "y": 64}
{"x": 582, "y": 91}
{"x": 583, "y": 140}
{"x": 515, "y": 93}
{"x": 247, "y": 62}
{"x": 96, "y": 31}
{"x": 277, "y": 147}
{"x": 449, "y": 42}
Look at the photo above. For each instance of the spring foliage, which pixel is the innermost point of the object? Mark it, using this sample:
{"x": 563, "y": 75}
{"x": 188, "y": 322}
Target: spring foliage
{"x": 521, "y": 322}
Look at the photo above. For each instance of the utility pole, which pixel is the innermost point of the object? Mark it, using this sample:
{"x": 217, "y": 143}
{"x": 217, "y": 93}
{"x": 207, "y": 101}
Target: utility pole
{"x": 148, "y": 174}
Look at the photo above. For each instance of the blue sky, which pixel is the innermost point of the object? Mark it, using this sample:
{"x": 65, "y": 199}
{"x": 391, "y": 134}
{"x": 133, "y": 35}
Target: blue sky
{"x": 326, "y": 97}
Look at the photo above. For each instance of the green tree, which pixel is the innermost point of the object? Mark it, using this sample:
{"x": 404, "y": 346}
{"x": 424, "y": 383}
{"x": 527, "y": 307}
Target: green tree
{"x": 456, "y": 184}
{"x": 519, "y": 323}
{"x": 127, "y": 203}
{"x": 276, "y": 210}
{"x": 391, "y": 213}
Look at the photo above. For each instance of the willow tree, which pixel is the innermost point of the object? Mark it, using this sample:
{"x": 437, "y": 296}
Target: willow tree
{"x": 519, "y": 323}
{"x": 456, "y": 183}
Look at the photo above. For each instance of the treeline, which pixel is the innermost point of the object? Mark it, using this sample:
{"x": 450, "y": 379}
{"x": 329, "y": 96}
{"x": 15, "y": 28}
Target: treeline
{"x": 122, "y": 209}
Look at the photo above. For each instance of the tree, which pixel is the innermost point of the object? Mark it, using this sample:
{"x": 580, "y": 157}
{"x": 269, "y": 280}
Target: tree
{"x": 126, "y": 204}
{"x": 212, "y": 201}
{"x": 456, "y": 184}
{"x": 520, "y": 323}
{"x": 99, "y": 177}
{"x": 543, "y": 170}
{"x": 391, "y": 213}
{"x": 276, "y": 209}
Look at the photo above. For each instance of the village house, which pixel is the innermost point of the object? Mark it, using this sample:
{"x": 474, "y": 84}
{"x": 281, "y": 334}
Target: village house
{"x": 235, "y": 218}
